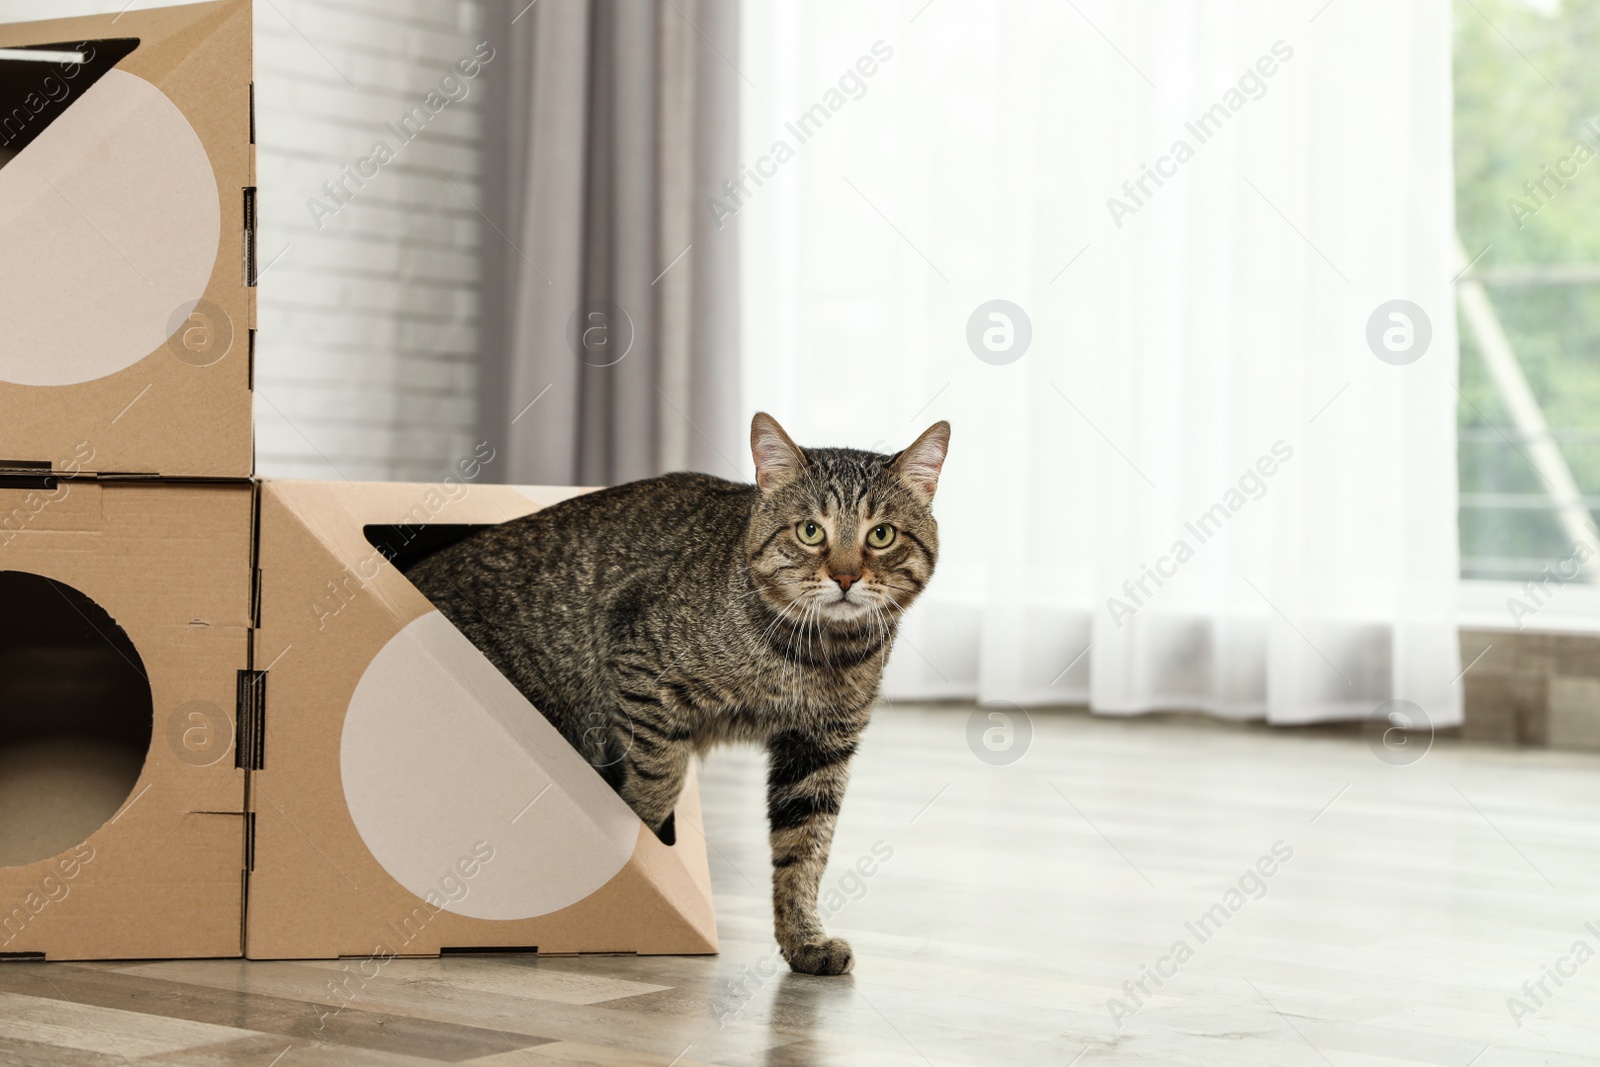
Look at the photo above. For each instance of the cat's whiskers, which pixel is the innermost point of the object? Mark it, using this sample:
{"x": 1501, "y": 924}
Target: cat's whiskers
{"x": 792, "y": 662}
{"x": 811, "y": 622}
{"x": 816, "y": 646}
{"x": 880, "y": 621}
{"x": 880, "y": 618}
{"x": 782, "y": 664}
{"x": 899, "y": 609}
{"x": 872, "y": 615}
{"x": 767, "y": 635}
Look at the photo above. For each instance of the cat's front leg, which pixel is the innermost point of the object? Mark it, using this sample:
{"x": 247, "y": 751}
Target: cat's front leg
{"x": 806, "y": 779}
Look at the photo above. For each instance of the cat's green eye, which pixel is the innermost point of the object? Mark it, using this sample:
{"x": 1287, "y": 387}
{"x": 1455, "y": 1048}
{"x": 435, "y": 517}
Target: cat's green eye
{"x": 810, "y": 533}
{"x": 881, "y": 536}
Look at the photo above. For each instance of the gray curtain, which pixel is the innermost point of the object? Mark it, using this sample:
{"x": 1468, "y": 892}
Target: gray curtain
{"x": 609, "y": 292}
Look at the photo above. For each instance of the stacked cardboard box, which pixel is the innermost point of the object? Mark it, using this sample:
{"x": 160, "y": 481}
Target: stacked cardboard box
{"x": 228, "y": 724}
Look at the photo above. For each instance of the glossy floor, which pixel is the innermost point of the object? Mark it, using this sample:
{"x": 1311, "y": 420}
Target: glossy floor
{"x": 1404, "y": 903}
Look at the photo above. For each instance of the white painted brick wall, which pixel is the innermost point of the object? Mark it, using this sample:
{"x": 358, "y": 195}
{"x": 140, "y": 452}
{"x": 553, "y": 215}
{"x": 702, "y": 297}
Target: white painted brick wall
{"x": 366, "y": 356}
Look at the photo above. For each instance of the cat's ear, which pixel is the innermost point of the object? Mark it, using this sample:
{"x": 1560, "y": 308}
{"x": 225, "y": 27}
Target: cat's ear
{"x": 778, "y": 459}
{"x": 920, "y": 464}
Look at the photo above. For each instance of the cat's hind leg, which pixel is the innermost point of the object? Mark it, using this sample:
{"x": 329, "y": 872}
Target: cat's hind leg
{"x": 655, "y": 760}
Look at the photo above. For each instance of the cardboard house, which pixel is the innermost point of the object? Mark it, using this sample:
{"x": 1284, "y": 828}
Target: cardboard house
{"x": 126, "y": 627}
{"x": 228, "y": 724}
{"x": 127, "y": 247}
{"x": 409, "y": 800}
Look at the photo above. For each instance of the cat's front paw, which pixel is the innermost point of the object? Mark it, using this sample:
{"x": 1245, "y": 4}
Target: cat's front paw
{"x": 832, "y": 956}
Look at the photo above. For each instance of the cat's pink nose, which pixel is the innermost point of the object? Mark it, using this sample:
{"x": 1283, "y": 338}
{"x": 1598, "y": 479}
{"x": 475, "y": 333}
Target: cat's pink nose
{"x": 846, "y": 580}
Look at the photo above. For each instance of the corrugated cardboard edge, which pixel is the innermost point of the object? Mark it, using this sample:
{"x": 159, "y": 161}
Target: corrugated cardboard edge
{"x": 302, "y": 905}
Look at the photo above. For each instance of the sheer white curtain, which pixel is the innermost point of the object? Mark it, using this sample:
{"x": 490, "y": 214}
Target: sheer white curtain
{"x": 1199, "y": 486}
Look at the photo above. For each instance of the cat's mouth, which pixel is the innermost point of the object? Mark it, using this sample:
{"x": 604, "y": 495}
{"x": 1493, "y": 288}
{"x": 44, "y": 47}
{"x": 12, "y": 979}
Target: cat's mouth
{"x": 845, "y": 607}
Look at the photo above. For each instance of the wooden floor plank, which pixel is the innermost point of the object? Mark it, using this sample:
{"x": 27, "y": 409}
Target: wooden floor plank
{"x": 66, "y": 1024}
{"x": 145, "y": 989}
{"x": 1019, "y": 905}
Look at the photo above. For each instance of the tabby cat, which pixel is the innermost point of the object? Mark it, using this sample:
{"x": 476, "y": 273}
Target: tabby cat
{"x": 653, "y": 620}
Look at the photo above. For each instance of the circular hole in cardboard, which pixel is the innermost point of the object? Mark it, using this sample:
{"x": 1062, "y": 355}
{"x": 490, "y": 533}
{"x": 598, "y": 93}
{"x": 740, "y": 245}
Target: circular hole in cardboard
{"x": 75, "y": 717}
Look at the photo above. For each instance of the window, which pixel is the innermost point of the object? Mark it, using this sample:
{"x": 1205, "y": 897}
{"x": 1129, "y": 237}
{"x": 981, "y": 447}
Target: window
{"x": 1527, "y": 148}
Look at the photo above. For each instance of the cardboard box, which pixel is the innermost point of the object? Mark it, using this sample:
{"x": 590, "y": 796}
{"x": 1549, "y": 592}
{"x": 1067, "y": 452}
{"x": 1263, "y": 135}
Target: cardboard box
{"x": 127, "y": 249}
{"x": 409, "y": 800}
{"x": 125, "y": 613}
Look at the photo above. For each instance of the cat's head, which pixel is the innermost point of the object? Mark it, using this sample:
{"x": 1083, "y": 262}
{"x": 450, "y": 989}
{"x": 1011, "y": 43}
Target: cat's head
{"x": 841, "y": 536}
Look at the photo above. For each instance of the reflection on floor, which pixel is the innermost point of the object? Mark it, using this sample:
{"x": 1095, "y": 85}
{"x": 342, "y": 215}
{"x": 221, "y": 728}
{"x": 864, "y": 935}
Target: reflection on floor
{"x": 1155, "y": 891}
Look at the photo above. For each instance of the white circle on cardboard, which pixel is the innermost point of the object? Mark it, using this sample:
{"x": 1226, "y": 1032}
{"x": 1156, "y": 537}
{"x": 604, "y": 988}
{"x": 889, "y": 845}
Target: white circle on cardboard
{"x": 444, "y": 762}
{"x": 109, "y": 221}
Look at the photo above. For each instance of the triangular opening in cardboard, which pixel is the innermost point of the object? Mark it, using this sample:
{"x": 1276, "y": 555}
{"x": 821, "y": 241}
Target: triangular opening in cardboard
{"x": 75, "y": 717}
{"x": 405, "y": 546}
{"x": 38, "y": 83}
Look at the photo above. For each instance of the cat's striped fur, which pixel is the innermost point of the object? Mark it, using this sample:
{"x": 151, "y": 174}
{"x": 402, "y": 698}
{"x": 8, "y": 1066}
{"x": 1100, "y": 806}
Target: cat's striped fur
{"x": 653, "y": 620}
